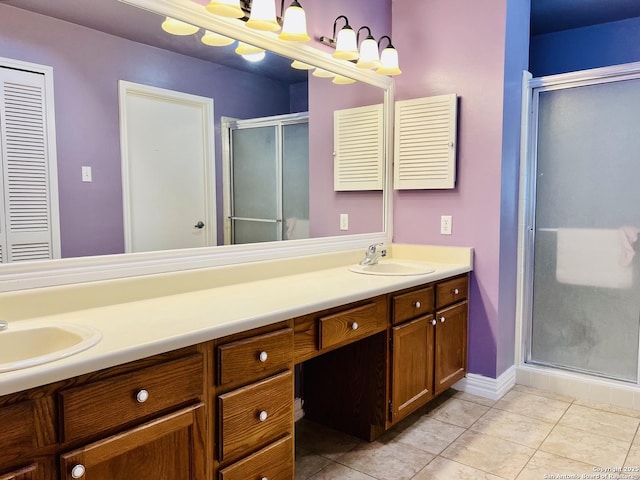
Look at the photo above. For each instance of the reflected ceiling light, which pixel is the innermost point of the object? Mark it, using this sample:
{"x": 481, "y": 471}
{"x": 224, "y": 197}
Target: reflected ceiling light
{"x": 322, "y": 73}
{"x": 246, "y": 49}
{"x": 294, "y": 24}
{"x": 215, "y": 39}
{"x": 346, "y": 44}
{"x": 368, "y": 51}
{"x": 254, "y": 57}
{"x": 178, "y": 27}
{"x": 263, "y": 16}
{"x": 225, "y": 8}
{"x": 388, "y": 59}
{"x": 342, "y": 80}
{"x": 297, "y": 64}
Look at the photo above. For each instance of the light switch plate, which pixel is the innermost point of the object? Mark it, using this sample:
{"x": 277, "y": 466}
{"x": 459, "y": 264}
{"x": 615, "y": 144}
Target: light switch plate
{"x": 344, "y": 221}
{"x": 86, "y": 174}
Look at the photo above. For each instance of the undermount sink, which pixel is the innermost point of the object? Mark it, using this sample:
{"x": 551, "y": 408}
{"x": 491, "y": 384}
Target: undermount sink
{"x": 27, "y": 346}
{"x": 393, "y": 267}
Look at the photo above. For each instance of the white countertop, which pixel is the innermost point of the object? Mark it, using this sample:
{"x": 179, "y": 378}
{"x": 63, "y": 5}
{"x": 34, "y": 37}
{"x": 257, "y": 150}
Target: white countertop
{"x": 141, "y": 328}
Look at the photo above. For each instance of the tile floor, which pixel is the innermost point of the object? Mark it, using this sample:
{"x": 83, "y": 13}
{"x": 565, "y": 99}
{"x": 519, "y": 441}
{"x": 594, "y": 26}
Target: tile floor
{"x": 528, "y": 434}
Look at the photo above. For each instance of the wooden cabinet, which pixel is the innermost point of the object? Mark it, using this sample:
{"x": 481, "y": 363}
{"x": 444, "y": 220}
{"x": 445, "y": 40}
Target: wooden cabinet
{"x": 428, "y": 351}
{"x": 143, "y": 420}
{"x": 254, "y": 399}
{"x": 170, "y": 447}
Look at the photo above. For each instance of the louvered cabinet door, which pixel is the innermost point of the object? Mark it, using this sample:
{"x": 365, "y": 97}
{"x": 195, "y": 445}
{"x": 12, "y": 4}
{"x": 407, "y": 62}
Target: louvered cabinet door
{"x": 358, "y": 143}
{"x": 425, "y": 143}
{"x": 25, "y": 222}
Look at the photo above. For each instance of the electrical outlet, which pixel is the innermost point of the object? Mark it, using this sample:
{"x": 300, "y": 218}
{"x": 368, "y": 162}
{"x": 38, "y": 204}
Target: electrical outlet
{"x": 445, "y": 225}
{"x": 344, "y": 221}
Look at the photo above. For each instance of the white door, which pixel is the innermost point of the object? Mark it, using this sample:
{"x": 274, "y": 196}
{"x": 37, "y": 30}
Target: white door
{"x": 167, "y": 169}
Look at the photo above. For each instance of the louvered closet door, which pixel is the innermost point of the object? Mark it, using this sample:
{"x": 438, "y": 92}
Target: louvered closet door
{"x": 26, "y": 226}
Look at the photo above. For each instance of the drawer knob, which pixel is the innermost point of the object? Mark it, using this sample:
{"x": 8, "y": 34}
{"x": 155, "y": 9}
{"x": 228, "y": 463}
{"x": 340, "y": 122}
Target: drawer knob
{"x": 417, "y": 304}
{"x": 262, "y": 416}
{"x": 442, "y": 319}
{"x": 354, "y": 326}
{"x": 456, "y": 291}
{"x": 433, "y": 321}
{"x": 142, "y": 396}
{"x": 77, "y": 471}
{"x": 263, "y": 357}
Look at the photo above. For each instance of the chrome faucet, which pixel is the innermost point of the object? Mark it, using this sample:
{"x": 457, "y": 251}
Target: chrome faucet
{"x": 3, "y": 325}
{"x": 373, "y": 254}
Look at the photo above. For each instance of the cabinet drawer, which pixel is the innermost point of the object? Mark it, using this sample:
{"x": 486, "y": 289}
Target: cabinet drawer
{"x": 255, "y": 415}
{"x": 413, "y": 304}
{"x": 250, "y": 358}
{"x": 274, "y": 462}
{"x": 18, "y": 432}
{"x": 110, "y": 403}
{"x": 350, "y": 325}
{"x": 451, "y": 291}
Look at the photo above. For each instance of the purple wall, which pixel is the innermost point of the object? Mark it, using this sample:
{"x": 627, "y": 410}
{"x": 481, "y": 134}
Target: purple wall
{"x": 87, "y": 66}
{"x": 459, "y": 46}
{"x": 602, "y": 45}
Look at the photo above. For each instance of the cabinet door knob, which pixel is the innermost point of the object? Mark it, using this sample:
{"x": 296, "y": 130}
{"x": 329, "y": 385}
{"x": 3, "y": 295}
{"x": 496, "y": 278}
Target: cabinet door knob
{"x": 77, "y": 471}
{"x": 456, "y": 291}
{"x": 263, "y": 357}
{"x": 262, "y": 416}
{"x": 417, "y": 304}
{"x": 142, "y": 396}
{"x": 442, "y": 319}
{"x": 354, "y": 326}
{"x": 433, "y": 321}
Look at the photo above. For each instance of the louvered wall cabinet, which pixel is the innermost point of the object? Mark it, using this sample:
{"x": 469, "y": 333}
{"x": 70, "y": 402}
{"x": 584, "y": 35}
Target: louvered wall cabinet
{"x": 425, "y": 143}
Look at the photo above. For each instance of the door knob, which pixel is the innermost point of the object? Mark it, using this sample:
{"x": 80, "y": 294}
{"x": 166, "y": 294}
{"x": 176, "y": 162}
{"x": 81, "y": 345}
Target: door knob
{"x": 200, "y": 224}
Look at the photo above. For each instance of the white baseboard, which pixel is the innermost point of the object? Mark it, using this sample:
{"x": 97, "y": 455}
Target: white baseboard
{"x": 492, "y": 388}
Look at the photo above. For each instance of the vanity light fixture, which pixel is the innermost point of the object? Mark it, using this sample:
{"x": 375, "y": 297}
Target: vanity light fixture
{"x": 178, "y": 27}
{"x": 250, "y": 52}
{"x": 294, "y": 24}
{"x": 342, "y": 80}
{"x": 369, "y": 57}
{"x": 388, "y": 59}
{"x": 322, "y": 73}
{"x": 298, "y": 65}
{"x": 215, "y": 39}
{"x": 263, "y": 16}
{"x": 225, "y": 8}
{"x": 346, "y": 43}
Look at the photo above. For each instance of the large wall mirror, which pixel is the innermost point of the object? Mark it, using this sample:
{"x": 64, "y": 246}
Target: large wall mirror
{"x": 96, "y": 58}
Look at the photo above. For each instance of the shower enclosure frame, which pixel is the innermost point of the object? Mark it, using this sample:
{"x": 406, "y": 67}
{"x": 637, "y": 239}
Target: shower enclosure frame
{"x": 532, "y": 88}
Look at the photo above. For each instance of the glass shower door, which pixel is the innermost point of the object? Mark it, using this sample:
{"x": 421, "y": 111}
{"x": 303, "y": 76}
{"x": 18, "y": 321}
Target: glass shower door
{"x": 585, "y": 296}
{"x": 255, "y": 190}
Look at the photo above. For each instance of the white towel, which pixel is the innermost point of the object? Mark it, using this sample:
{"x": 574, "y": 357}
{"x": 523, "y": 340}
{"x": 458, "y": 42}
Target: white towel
{"x": 591, "y": 257}
{"x": 296, "y": 228}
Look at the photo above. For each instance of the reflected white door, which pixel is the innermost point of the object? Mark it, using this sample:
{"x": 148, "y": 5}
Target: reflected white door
{"x": 167, "y": 169}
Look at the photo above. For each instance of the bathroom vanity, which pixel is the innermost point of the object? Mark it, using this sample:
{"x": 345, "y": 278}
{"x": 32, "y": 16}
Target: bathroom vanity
{"x": 223, "y": 407}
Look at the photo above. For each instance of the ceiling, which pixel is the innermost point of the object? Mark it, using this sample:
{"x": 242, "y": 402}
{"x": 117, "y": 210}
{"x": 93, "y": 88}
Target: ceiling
{"x": 554, "y": 15}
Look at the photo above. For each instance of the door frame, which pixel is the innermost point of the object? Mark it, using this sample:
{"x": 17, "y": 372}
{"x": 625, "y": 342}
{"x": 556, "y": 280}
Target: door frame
{"x": 206, "y": 106}
{"x": 52, "y": 158}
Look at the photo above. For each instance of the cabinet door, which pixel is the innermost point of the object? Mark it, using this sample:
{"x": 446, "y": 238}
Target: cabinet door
{"x": 451, "y": 346}
{"x": 412, "y": 366}
{"x": 27, "y": 473}
{"x": 170, "y": 447}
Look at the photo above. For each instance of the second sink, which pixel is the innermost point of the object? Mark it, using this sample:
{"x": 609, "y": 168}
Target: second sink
{"x": 393, "y": 267}
{"x": 22, "y": 347}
